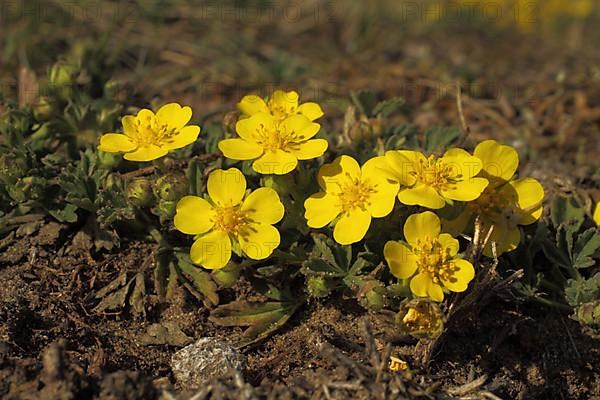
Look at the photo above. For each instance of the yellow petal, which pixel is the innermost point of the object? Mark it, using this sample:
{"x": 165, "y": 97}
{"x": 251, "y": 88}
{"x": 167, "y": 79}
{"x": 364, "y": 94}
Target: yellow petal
{"x": 310, "y": 110}
{"x": 259, "y": 240}
{"x": 467, "y": 190}
{"x": 449, "y": 243}
{"x": 285, "y": 100}
{"x": 194, "y": 215}
{"x": 309, "y": 149}
{"x": 404, "y": 164}
{"x": 459, "y": 281}
{"x": 423, "y": 226}
{"x": 174, "y": 115}
{"x": 338, "y": 173}
{"x": 212, "y": 251}
{"x": 251, "y": 129}
{"x": 500, "y": 162}
{"x": 382, "y": 201}
{"x": 379, "y": 166}
{"x": 299, "y": 128}
{"x": 400, "y": 259}
{"x": 421, "y": 195}
{"x": 240, "y": 149}
{"x": 506, "y": 240}
{"x": 263, "y": 205}
{"x": 435, "y": 292}
{"x": 597, "y": 215}
{"x": 146, "y": 153}
{"x": 419, "y": 285}
{"x": 252, "y": 104}
{"x": 530, "y": 195}
{"x": 276, "y": 162}
{"x": 226, "y": 187}
{"x": 463, "y": 164}
{"x": 352, "y": 226}
{"x": 115, "y": 142}
{"x": 129, "y": 124}
{"x": 184, "y": 137}
{"x": 321, "y": 209}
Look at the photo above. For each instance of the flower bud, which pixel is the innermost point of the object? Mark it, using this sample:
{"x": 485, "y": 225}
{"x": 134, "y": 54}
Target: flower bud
{"x": 420, "y": 318}
{"x": 109, "y": 160}
{"x": 171, "y": 186}
{"x": 589, "y": 314}
{"x": 62, "y": 74}
{"x": 45, "y": 109}
{"x": 228, "y": 276}
{"x": 139, "y": 192}
{"x": 318, "y": 286}
{"x": 166, "y": 209}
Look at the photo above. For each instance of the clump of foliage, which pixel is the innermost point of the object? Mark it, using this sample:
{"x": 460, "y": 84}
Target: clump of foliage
{"x": 394, "y": 218}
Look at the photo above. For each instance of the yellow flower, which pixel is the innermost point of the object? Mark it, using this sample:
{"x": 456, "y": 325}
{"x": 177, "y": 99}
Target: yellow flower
{"x": 353, "y": 194}
{"x": 597, "y": 215}
{"x": 148, "y": 136}
{"x": 432, "y": 182}
{"x": 420, "y": 318}
{"x": 506, "y": 203}
{"x": 229, "y": 219}
{"x": 281, "y": 105}
{"x": 428, "y": 258}
{"x": 276, "y": 146}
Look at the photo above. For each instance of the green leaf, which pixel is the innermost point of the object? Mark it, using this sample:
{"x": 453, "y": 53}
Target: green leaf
{"x": 194, "y": 175}
{"x": 262, "y": 319}
{"x": 437, "y": 139}
{"x": 365, "y": 101}
{"x": 588, "y": 243}
{"x": 567, "y": 210}
{"x": 579, "y": 291}
{"x": 388, "y": 107}
{"x": 202, "y": 281}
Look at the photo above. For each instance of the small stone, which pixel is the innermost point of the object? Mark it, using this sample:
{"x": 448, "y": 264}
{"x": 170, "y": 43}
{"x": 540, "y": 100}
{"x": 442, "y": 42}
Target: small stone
{"x": 204, "y": 360}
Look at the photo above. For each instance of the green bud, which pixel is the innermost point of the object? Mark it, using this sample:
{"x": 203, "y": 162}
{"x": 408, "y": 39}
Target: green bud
{"x": 62, "y": 74}
{"x": 589, "y": 314}
{"x": 45, "y": 109}
{"x": 139, "y": 192}
{"x": 228, "y": 276}
{"x": 171, "y": 186}
{"x": 112, "y": 182}
{"x": 166, "y": 209}
{"x": 375, "y": 299}
{"x": 109, "y": 160}
{"x": 319, "y": 286}
{"x": 279, "y": 183}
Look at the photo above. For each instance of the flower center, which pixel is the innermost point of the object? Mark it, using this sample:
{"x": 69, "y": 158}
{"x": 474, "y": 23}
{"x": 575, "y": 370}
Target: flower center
{"x": 229, "y": 219}
{"x": 418, "y": 320}
{"x": 434, "y": 172}
{"x": 149, "y": 130}
{"x": 435, "y": 260}
{"x": 273, "y": 139}
{"x": 355, "y": 193}
{"x": 281, "y": 110}
{"x": 495, "y": 209}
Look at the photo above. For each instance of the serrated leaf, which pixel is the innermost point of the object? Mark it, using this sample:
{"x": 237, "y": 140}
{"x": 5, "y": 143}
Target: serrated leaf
{"x": 387, "y": 107}
{"x": 437, "y": 139}
{"x": 579, "y": 291}
{"x": 262, "y": 319}
{"x": 201, "y": 280}
{"x": 588, "y": 243}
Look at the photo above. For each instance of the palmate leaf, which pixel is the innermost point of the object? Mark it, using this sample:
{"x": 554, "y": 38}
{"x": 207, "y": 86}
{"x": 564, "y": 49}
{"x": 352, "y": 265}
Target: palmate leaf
{"x": 579, "y": 291}
{"x": 332, "y": 260}
{"x": 262, "y": 319}
{"x": 586, "y": 246}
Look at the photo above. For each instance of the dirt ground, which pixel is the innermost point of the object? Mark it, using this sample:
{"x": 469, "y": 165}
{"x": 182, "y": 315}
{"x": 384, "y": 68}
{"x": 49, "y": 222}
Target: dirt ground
{"x": 541, "y": 95}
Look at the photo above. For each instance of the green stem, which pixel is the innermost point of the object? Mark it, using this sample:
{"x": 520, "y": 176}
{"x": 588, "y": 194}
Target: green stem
{"x": 551, "y": 303}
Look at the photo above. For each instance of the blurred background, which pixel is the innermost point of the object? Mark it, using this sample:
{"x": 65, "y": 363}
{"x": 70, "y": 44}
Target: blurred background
{"x": 529, "y": 69}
